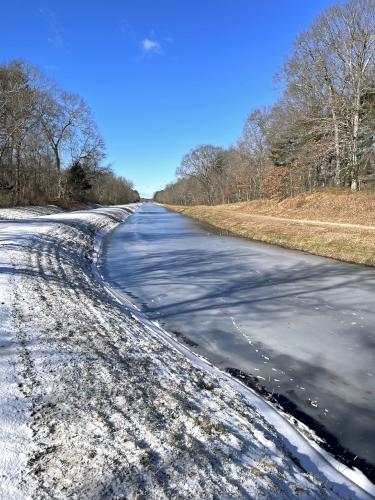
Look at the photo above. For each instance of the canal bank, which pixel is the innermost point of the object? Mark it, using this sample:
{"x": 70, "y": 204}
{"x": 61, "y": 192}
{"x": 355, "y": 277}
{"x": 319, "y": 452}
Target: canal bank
{"x": 302, "y": 325}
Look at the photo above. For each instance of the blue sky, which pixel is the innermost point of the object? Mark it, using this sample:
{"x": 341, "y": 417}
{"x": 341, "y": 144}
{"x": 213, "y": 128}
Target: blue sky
{"x": 161, "y": 76}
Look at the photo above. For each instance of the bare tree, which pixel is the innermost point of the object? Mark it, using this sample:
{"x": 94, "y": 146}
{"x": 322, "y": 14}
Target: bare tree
{"x": 204, "y": 163}
{"x": 44, "y": 133}
{"x": 67, "y": 123}
{"x": 328, "y": 76}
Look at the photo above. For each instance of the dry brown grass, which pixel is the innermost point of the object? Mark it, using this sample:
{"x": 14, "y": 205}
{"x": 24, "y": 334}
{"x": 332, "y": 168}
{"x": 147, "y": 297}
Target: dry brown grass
{"x": 340, "y": 225}
{"x": 331, "y": 206}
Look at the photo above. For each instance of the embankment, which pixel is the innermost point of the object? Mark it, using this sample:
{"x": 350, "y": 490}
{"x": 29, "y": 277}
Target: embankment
{"x": 337, "y": 225}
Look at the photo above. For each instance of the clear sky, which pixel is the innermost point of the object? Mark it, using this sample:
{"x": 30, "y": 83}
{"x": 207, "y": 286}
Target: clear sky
{"x": 161, "y": 76}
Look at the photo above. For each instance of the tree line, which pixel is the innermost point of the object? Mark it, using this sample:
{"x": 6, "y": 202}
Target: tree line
{"x": 50, "y": 147}
{"x": 319, "y": 133}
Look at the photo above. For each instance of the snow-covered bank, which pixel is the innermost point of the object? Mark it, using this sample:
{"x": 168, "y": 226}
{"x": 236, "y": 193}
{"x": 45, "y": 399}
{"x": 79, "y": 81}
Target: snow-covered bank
{"x": 28, "y": 212}
{"x": 15, "y": 434}
{"x": 113, "y": 409}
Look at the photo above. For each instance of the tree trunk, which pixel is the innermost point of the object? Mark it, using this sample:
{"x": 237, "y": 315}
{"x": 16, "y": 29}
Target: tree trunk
{"x": 336, "y": 138}
{"x": 354, "y": 166}
{"x": 18, "y": 172}
{"x": 337, "y": 154}
{"x": 59, "y": 176}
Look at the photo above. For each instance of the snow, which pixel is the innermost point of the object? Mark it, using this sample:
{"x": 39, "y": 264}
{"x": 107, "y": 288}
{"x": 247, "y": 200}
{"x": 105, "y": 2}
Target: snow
{"x": 27, "y": 212}
{"x": 15, "y": 435}
{"x": 96, "y": 401}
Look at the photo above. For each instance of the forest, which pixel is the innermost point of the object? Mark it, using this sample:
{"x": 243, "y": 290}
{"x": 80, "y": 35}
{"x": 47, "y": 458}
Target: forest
{"x": 318, "y": 134}
{"x": 50, "y": 147}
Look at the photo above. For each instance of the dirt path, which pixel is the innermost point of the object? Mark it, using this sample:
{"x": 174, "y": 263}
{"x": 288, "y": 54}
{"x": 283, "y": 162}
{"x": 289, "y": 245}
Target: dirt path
{"x": 306, "y": 221}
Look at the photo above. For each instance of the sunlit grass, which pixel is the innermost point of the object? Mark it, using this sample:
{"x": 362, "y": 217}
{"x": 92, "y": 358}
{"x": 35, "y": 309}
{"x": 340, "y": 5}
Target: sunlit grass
{"x": 350, "y": 244}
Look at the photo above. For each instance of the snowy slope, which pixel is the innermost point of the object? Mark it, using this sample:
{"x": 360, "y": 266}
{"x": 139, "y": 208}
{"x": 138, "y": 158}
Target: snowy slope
{"x": 15, "y": 434}
{"x": 98, "y": 403}
{"x": 27, "y": 212}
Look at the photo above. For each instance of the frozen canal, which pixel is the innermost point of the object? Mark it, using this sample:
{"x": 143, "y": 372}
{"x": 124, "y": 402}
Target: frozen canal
{"x": 304, "y": 325}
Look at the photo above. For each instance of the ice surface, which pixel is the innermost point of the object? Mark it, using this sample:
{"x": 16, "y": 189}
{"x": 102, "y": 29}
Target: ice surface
{"x": 305, "y": 325}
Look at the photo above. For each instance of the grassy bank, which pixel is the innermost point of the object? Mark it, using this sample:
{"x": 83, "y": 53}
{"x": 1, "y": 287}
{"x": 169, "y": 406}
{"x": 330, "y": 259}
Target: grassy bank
{"x": 339, "y": 225}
